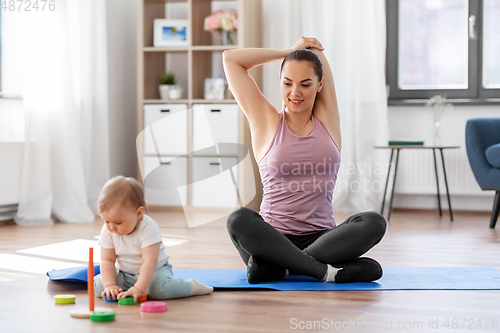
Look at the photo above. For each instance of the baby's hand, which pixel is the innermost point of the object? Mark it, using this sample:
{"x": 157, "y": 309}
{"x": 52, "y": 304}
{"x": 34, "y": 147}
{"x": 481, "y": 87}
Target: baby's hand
{"x": 132, "y": 292}
{"x": 112, "y": 292}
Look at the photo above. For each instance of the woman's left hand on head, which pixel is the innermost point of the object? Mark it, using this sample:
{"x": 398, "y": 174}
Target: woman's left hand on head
{"x": 308, "y": 43}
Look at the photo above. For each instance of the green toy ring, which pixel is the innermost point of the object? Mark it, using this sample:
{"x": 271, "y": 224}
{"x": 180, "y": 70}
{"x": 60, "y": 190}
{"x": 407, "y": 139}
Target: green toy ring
{"x": 102, "y": 316}
{"x": 127, "y": 301}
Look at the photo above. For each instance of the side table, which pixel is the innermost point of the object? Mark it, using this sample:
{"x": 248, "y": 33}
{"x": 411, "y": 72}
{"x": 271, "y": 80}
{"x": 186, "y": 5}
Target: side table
{"x": 397, "y": 149}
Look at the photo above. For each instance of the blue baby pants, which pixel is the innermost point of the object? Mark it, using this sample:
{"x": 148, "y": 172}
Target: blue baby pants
{"x": 162, "y": 286}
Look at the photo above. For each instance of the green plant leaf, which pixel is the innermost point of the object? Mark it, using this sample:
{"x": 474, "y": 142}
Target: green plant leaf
{"x": 167, "y": 78}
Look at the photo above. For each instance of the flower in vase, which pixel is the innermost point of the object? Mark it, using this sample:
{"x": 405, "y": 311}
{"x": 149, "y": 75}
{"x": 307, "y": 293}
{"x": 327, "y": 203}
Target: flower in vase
{"x": 212, "y": 23}
{"x": 227, "y": 24}
{"x": 221, "y": 20}
{"x": 438, "y": 104}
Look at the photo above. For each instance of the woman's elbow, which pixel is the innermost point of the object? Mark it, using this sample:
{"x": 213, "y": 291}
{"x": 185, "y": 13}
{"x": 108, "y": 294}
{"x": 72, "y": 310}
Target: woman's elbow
{"x": 227, "y": 55}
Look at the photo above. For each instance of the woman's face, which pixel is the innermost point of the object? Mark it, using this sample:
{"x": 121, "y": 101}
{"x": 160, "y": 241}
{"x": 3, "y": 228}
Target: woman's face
{"x": 299, "y": 85}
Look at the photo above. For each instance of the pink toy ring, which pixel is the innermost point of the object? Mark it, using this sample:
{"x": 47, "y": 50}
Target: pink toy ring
{"x": 153, "y": 306}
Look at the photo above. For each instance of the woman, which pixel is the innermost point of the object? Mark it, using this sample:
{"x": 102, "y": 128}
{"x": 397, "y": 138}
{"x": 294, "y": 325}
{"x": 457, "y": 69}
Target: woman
{"x": 298, "y": 154}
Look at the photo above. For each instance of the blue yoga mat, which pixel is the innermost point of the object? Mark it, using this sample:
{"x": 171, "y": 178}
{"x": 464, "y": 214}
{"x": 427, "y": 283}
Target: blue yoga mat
{"x": 76, "y": 274}
{"x": 410, "y": 278}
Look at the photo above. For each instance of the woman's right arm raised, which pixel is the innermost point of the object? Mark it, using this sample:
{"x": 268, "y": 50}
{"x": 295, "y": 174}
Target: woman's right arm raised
{"x": 258, "y": 110}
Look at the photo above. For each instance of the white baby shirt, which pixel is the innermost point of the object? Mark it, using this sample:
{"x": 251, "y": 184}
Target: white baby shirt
{"x": 128, "y": 248}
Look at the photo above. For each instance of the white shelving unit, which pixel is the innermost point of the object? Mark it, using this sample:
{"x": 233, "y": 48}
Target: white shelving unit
{"x": 178, "y": 137}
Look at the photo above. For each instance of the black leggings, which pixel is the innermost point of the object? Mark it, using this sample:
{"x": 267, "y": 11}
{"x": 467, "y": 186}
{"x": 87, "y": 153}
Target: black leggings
{"x": 304, "y": 254}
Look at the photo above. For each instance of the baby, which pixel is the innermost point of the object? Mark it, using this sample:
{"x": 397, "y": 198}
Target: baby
{"x": 132, "y": 240}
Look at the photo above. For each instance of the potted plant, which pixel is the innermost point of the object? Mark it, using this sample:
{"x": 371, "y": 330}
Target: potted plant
{"x": 167, "y": 81}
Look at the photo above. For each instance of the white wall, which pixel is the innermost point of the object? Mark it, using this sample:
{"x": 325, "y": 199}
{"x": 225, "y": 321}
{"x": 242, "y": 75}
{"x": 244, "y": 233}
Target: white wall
{"x": 12, "y": 82}
{"x": 122, "y": 64}
{"x": 417, "y": 122}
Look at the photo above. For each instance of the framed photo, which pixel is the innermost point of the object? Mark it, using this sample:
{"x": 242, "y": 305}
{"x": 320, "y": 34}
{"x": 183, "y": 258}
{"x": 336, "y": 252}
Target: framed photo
{"x": 171, "y": 32}
{"x": 215, "y": 88}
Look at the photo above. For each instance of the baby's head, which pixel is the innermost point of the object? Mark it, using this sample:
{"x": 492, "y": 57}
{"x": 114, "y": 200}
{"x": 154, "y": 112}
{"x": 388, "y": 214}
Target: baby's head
{"x": 121, "y": 204}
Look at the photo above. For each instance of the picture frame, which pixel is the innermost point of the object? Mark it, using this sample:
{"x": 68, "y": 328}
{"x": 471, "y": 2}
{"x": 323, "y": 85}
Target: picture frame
{"x": 215, "y": 88}
{"x": 168, "y": 32}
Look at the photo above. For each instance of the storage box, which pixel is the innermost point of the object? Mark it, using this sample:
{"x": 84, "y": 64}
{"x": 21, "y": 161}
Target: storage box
{"x": 165, "y": 129}
{"x": 165, "y": 180}
{"x": 214, "y": 181}
{"x": 215, "y": 123}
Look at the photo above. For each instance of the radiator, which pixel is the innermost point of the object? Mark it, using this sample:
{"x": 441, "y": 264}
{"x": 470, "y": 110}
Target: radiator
{"x": 416, "y": 174}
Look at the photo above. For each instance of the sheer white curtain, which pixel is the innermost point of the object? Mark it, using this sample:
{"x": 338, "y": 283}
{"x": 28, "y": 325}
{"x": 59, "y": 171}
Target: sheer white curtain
{"x": 353, "y": 35}
{"x": 66, "y": 154}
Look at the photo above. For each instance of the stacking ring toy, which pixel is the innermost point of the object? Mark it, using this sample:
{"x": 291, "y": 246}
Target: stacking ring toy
{"x": 65, "y": 299}
{"x": 154, "y": 307}
{"x": 102, "y": 316}
{"x": 106, "y": 299}
{"x": 127, "y": 301}
{"x": 143, "y": 298}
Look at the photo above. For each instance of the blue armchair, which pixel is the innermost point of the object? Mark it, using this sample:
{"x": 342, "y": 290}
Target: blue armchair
{"x": 482, "y": 141}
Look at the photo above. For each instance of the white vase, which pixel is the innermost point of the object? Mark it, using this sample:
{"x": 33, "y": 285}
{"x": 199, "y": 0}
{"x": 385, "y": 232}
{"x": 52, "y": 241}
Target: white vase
{"x": 164, "y": 90}
{"x": 436, "y": 141}
{"x": 175, "y": 92}
{"x": 227, "y": 38}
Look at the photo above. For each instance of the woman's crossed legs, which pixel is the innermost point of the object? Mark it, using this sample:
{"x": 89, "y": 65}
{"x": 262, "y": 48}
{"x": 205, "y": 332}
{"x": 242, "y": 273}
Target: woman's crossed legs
{"x": 268, "y": 253}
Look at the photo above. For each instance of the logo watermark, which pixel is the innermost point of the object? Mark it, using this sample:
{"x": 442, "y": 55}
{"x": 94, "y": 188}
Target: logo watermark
{"x": 358, "y": 323}
{"x": 363, "y": 324}
{"x": 27, "y": 5}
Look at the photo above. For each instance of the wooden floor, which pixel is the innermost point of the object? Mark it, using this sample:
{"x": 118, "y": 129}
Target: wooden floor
{"x": 413, "y": 239}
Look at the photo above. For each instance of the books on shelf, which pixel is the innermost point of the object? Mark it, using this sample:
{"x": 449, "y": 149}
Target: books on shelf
{"x": 406, "y": 142}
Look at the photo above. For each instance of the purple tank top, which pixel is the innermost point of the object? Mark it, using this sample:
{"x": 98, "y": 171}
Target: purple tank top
{"x": 298, "y": 177}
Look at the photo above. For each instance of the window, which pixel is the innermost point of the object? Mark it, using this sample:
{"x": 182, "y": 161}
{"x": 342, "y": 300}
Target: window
{"x": 443, "y": 46}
